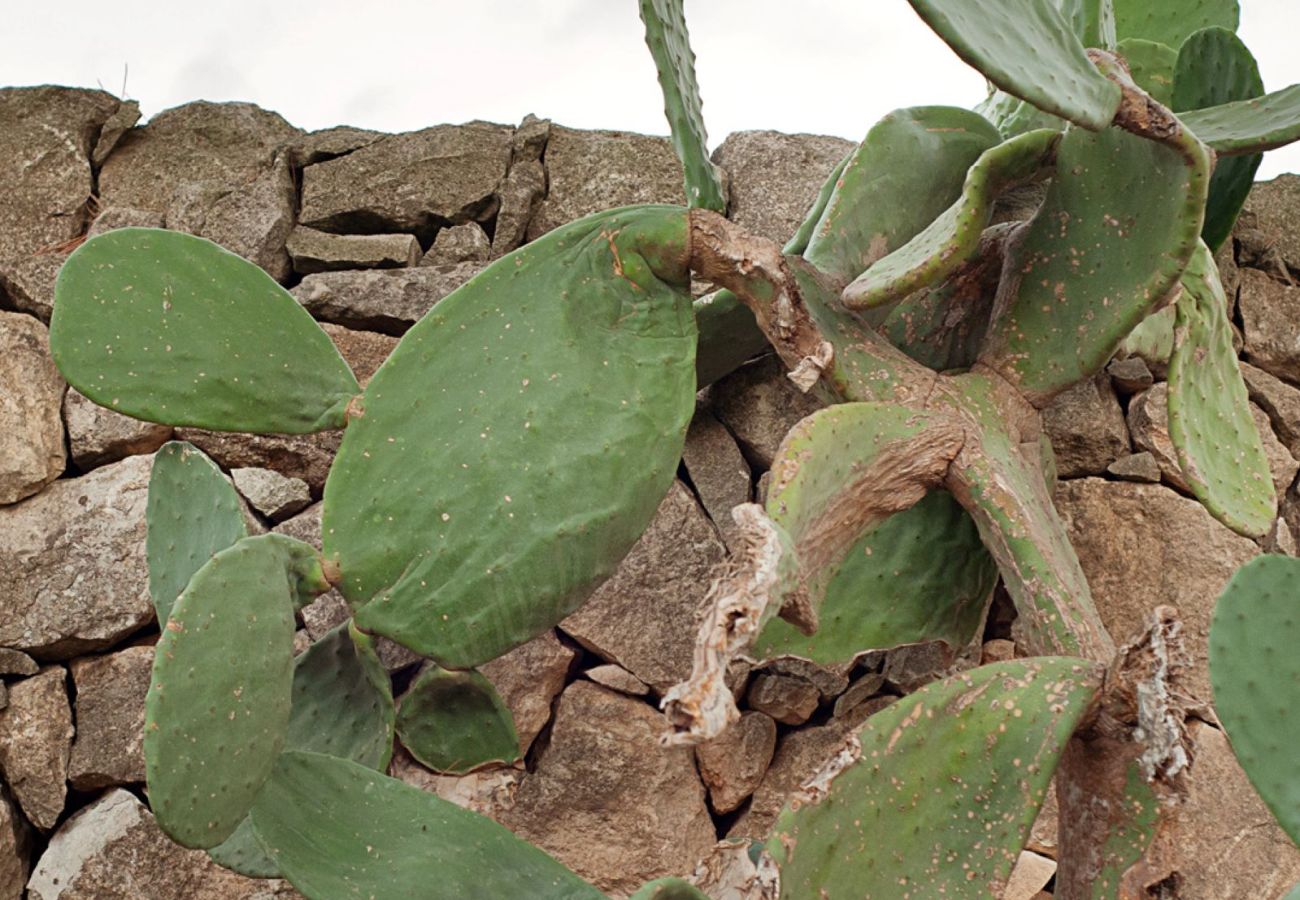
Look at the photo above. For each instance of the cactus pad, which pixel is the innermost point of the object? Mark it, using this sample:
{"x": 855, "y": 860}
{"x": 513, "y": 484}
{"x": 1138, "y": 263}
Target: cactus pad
{"x": 728, "y": 336}
{"x": 214, "y": 725}
{"x": 1172, "y": 21}
{"x": 454, "y": 722}
{"x": 171, "y": 328}
{"x": 337, "y": 829}
{"x": 938, "y": 796}
{"x": 1026, "y": 49}
{"x": 1013, "y": 116}
{"x": 1093, "y": 21}
{"x": 193, "y": 514}
{"x": 1255, "y": 673}
{"x": 1152, "y": 66}
{"x": 669, "y": 889}
{"x": 798, "y": 242}
{"x": 1249, "y": 126}
{"x": 519, "y": 439}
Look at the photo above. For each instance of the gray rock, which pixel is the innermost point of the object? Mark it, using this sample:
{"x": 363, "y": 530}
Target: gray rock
{"x": 28, "y": 282}
{"x": 326, "y": 612}
{"x": 485, "y": 791}
{"x": 1086, "y": 426}
{"x": 776, "y": 177}
{"x": 466, "y": 243}
{"x": 114, "y": 850}
{"x": 1270, "y": 312}
{"x": 1142, "y": 545}
{"x": 617, "y": 678}
{"x": 1131, "y": 375}
{"x": 916, "y": 665}
{"x": 733, "y": 764}
{"x": 759, "y": 405}
{"x": 413, "y": 183}
{"x": 31, "y": 394}
{"x": 859, "y": 692}
{"x": 645, "y": 616}
{"x": 319, "y": 251}
{"x": 331, "y": 143}
{"x": 591, "y": 171}
{"x": 1270, "y": 223}
{"x": 114, "y": 217}
{"x": 1281, "y": 463}
{"x": 272, "y": 494}
{"x": 305, "y": 456}
{"x": 529, "y": 678}
{"x": 15, "y": 849}
{"x": 73, "y": 576}
{"x": 1279, "y": 400}
{"x": 218, "y": 170}
{"x": 35, "y": 737}
{"x": 118, "y": 124}
{"x": 15, "y": 662}
{"x": 376, "y": 300}
{"x": 828, "y": 682}
{"x": 1136, "y": 467}
{"x": 608, "y": 800}
{"x": 109, "y": 749}
{"x": 524, "y": 187}
{"x": 1148, "y": 423}
{"x": 718, "y": 472}
{"x": 98, "y": 435}
{"x": 788, "y": 700}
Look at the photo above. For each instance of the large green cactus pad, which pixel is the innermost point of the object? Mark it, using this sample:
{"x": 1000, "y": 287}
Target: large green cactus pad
{"x": 337, "y": 829}
{"x": 1255, "y": 673}
{"x": 665, "y": 35}
{"x": 1249, "y": 126}
{"x": 921, "y": 575}
{"x": 1120, "y": 221}
{"x": 193, "y": 514}
{"x": 1027, "y": 49}
{"x": 1013, "y": 116}
{"x": 1210, "y": 424}
{"x": 953, "y": 236}
{"x": 1093, "y": 21}
{"x": 171, "y": 328}
{"x": 910, "y": 166}
{"x": 454, "y": 722}
{"x": 1153, "y": 338}
{"x": 1172, "y": 21}
{"x": 798, "y": 242}
{"x": 1214, "y": 67}
{"x": 517, "y": 442}
{"x": 218, "y": 703}
{"x": 1152, "y": 66}
{"x": 728, "y": 336}
{"x": 940, "y": 800}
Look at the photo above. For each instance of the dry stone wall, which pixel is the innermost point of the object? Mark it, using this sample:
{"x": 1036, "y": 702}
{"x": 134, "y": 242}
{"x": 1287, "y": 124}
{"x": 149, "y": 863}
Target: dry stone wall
{"x": 369, "y": 231}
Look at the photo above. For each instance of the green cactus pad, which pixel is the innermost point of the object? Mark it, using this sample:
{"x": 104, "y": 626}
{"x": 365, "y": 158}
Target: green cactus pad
{"x": 1210, "y": 424}
{"x": 665, "y": 35}
{"x": 1152, "y": 339}
{"x": 1152, "y": 66}
{"x": 798, "y": 242}
{"x": 1013, "y": 116}
{"x": 171, "y": 328}
{"x": 1125, "y": 845}
{"x": 519, "y": 439}
{"x": 669, "y": 889}
{"x": 1172, "y": 21}
{"x": 921, "y": 575}
{"x": 1255, "y": 673}
{"x": 1120, "y": 221}
{"x": 1214, "y": 67}
{"x": 337, "y": 829}
{"x": 941, "y": 798}
{"x": 454, "y": 722}
{"x": 1249, "y": 126}
{"x": 954, "y": 235}
{"x": 1026, "y": 49}
{"x": 728, "y": 336}
{"x": 218, "y": 705}
{"x": 910, "y": 166}
{"x": 193, "y": 513}
{"x": 1092, "y": 21}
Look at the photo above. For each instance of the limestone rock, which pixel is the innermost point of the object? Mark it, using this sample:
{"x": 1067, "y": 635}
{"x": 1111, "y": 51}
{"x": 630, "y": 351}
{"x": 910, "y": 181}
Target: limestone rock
{"x": 73, "y": 575}
{"x": 776, "y": 177}
{"x": 1136, "y": 467}
{"x": 1141, "y": 545}
{"x": 655, "y": 593}
{"x": 617, "y": 678}
{"x": 31, "y": 394}
{"x": 218, "y": 170}
{"x": 1279, "y": 400}
{"x": 113, "y": 850}
{"x": 114, "y": 217}
{"x": 524, "y": 187}
{"x": 15, "y": 849}
{"x": 466, "y": 243}
{"x": 718, "y": 471}
{"x": 35, "y": 737}
{"x": 733, "y": 764}
{"x": 759, "y": 404}
{"x": 1270, "y": 312}
{"x": 1029, "y": 875}
{"x": 390, "y": 301}
{"x": 529, "y": 678}
{"x": 319, "y": 251}
{"x": 1148, "y": 422}
{"x": 1087, "y": 428}
{"x": 98, "y": 435}
{"x": 270, "y": 493}
{"x": 1271, "y": 220}
{"x": 414, "y": 183}
{"x": 607, "y": 800}
{"x": 331, "y": 143}
{"x": 591, "y": 171}
{"x": 108, "y": 749}
{"x": 788, "y": 700}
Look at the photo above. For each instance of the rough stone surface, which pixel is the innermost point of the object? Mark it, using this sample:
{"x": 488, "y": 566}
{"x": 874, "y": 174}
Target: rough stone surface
{"x": 524, "y": 187}
{"x": 1279, "y": 400}
{"x": 759, "y": 404}
{"x": 272, "y": 494}
{"x": 733, "y": 764}
{"x": 15, "y": 849}
{"x": 31, "y": 394}
{"x": 364, "y": 351}
{"x": 788, "y": 700}
{"x": 390, "y": 301}
{"x": 466, "y": 243}
{"x": 1271, "y": 219}
{"x": 28, "y": 282}
{"x": 35, "y": 737}
{"x": 218, "y": 170}
{"x": 98, "y": 436}
{"x": 1086, "y": 426}
{"x": 1281, "y": 463}
{"x": 413, "y": 183}
{"x": 1131, "y": 375}
{"x": 73, "y": 575}
{"x": 15, "y": 662}
{"x": 617, "y": 678}
{"x": 1148, "y": 423}
{"x": 486, "y": 791}
{"x": 1142, "y": 545}
{"x": 607, "y": 800}
{"x": 113, "y": 850}
{"x": 113, "y": 217}
{"x": 319, "y": 251}
{"x": 1030, "y": 875}
{"x": 657, "y": 590}
{"x": 529, "y": 678}
{"x": 1136, "y": 467}
{"x": 108, "y": 748}
{"x": 717, "y": 470}
{"x": 776, "y": 177}
{"x": 305, "y": 456}
{"x": 859, "y": 692}
{"x": 1270, "y": 312}
{"x": 591, "y": 171}
{"x": 331, "y": 143}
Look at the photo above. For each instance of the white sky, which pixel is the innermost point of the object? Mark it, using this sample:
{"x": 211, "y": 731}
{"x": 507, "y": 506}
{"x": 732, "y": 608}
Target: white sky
{"x": 820, "y": 66}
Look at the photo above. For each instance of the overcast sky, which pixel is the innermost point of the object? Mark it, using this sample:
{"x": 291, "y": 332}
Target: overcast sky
{"x": 820, "y": 66}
